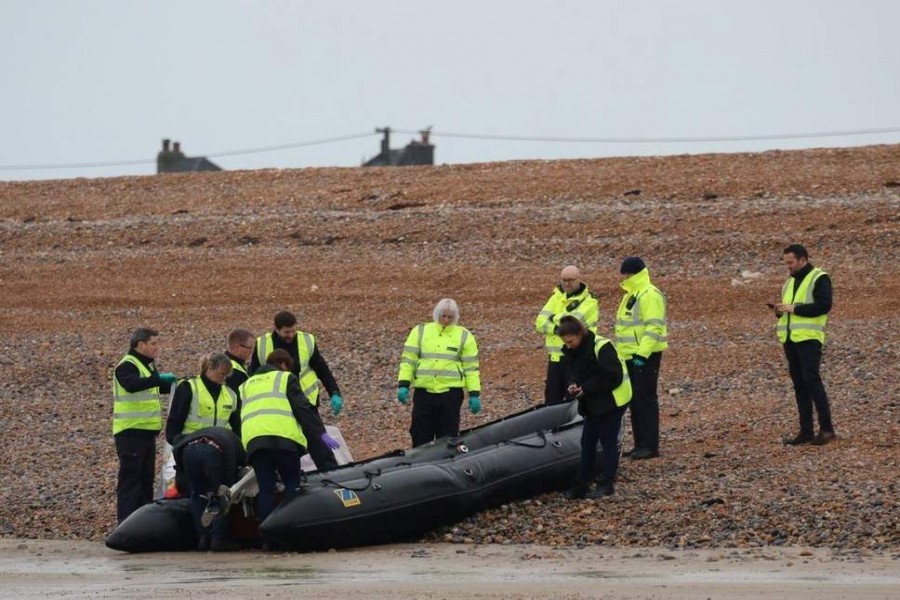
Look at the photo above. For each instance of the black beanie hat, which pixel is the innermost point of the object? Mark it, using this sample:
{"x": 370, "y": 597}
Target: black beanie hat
{"x": 632, "y": 265}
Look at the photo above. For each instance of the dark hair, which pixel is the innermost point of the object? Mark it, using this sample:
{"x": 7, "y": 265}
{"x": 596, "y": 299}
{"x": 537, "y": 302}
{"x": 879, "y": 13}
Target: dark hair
{"x": 798, "y": 250}
{"x": 238, "y": 336}
{"x": 285, "y": 319}
{"x": 280, "y": 358}
{"x": 569, "y": 325}
{"x": 142, "y": 334}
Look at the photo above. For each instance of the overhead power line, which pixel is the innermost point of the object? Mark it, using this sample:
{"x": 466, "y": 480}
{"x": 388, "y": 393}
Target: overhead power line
{"x": 475, "y": 136}
{"x": 655, "y": 140}
{"x": 146, "y": 161}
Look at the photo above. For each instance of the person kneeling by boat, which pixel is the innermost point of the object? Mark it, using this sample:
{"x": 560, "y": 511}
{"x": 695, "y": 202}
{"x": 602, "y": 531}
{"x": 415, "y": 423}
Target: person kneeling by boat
{"x": 210, "y": 458}
{"x": 597, "y": 377}
{"x": 440, "y": 360}
{"x": 276, "y": 420}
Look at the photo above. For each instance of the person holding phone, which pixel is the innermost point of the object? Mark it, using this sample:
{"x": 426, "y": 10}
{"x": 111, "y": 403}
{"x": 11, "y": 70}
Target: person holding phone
{"x": 806, "y": 299}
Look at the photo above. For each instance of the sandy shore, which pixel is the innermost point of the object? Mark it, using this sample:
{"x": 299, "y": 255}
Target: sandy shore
{"x": 60, "y": 569}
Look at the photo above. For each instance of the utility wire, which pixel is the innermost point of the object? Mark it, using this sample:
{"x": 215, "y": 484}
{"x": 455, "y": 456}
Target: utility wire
{"x": 650, "y": 140}
{"x": 144, "y": 161}
{"x": 478, "y": 136}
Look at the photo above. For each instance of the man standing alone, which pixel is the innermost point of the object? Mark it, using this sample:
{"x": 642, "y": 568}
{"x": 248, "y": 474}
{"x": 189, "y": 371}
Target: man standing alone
{"x": 802, "y": 313}
{"x": 641, "y": 337}
{"x": 571, "y": 297}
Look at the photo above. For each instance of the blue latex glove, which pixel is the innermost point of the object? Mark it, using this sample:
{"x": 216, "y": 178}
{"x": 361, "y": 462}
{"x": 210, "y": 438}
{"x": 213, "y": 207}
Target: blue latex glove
{"x": 639, "y": 361}
{"x": 168, "y": 377}
{"x": 329, "y": 441}
{"x": 475, "y": 403}
{"x": 337, "y": 403}
{"x": 403, "y": 395}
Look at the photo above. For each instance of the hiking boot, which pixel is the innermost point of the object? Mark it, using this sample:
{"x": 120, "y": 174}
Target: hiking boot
{"x": 822, "y": 438}
{"x": 600, "y": 491}
{"x": 628, "y": 453}
{"x": 799, "y": 440}
{"x": 644, "y": 453}
{"x": 211, "y": 512}
{"x": 579, "y": 490}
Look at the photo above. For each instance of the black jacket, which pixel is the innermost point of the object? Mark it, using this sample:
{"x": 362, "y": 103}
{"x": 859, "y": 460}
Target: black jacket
{"x": 598, "y": 376}
{"x": 233, "y": 455}
{"x": 306, "y": 415}
{"x": 316, "y": 362}
{"x": 822, "y": 294}
{"x": 181, "y": 406}
{"x": 130, "y": 378}
{"x": 236, "y": 378}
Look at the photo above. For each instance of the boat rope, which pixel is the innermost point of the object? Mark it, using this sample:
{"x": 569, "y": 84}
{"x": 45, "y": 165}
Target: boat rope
{"x": 367, "y": 474}
{"x": 543, "y": 436}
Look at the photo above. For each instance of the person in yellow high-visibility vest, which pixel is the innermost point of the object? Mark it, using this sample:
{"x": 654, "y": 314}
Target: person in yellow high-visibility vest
{"x": 570, "y": 297}
{"x": 277, "y": 422}
{"x": 310, "y": 368}
{"x": 596, "y": 376}
{"x": 641, "y": 338}
{"x": 204, "y": 401}
{"x": 440, "y": 361}
{"x": 137, "y": 420}
{"x": 806, "y": 299}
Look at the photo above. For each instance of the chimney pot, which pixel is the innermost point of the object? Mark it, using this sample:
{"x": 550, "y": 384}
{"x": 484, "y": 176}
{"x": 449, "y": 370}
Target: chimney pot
{"x": 165, "y": 144}
{"x": 177, "y": 147}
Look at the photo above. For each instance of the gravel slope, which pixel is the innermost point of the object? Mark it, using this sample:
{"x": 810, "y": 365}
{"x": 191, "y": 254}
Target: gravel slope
{"x": 362, "y": 255}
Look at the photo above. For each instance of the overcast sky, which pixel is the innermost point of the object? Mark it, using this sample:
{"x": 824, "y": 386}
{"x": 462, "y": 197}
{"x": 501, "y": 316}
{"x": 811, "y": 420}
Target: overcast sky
{"x": 98, "y": 81}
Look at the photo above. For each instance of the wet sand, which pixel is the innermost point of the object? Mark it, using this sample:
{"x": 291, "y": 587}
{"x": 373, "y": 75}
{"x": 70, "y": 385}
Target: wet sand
{"x": 61, "y": 569}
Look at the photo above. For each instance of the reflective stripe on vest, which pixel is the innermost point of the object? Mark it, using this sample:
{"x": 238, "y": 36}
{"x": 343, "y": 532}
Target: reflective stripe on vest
{"x": 801, "y": 328}
{"x": 140, "y": 410}
{"x": 306, "y": 343}
{"x": 266, "y": 410}
{"x": 206, "y": 411}
{"x": 622, "y": 394}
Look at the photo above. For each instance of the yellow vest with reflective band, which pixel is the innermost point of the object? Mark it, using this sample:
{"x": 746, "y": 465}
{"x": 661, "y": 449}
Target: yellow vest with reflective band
{"x": 266, "y": 410}
{"x": 239, "y": 366}
{"x": 621, "y": 394}
{"x": 801, "y": 328}
{"x": 437, "y": 359}
{"x": 587, "y": 311}
{"x": 140, "y": 410}
{"x": 306, "y": 343}
{"x": 642, "y": 328}
{"x": 207, "y": 412}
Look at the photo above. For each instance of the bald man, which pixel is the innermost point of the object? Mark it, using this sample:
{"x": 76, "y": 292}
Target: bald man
{"x": 570, "y": 297}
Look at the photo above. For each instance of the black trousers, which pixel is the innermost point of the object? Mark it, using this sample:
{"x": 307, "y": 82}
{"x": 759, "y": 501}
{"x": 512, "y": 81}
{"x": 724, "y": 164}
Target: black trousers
{"x": 604, "y": 429}
{"x": 137, "y": 470}
{"x": 266, "y": 462}
{"x": 435, "y": 415}
{"x": 555, "y": 384}
{"x": 804, "y": 359}
{"x": 644, "y": 405}
{"x": 203, "y": 466}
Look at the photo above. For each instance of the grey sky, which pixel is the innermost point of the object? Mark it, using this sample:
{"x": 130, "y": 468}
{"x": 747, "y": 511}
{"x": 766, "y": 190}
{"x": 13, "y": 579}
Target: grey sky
{"x": 105, "y": 80}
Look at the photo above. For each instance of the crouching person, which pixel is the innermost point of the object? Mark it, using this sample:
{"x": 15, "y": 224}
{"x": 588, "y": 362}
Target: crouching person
{"x": 211, "y": 458}
{"x": 597, "y": 377}
{"x": 276, "y": 420}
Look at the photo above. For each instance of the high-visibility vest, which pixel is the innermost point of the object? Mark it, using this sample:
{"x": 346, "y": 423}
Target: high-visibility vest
{"x": 641, "y": 328}
{"x": 622, "y": 394}
{"x": 140, "y": 410}
{"x": 239, "y": 366}
{"x": 801, "y": 328}
{"x": 306, "y": 344}
{"x": 587, "y": 310}
{"x": 266, "y": 410}
{"x": 205, "y": 411}
{"x": 437, "y": 358}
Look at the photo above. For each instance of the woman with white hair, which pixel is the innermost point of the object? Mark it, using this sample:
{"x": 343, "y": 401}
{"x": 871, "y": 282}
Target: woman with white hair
{"x": 440, "y": 361}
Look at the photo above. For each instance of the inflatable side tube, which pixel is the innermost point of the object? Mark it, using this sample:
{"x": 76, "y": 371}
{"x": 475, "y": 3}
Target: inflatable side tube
{"x": 539, "y": 418}
{"x": 406, "y": 502}
{"x": 161, "y": 526}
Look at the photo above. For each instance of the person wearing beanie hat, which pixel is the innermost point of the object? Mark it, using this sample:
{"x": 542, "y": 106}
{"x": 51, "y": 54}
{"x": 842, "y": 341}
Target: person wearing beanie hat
{"x": 641, "y": 338}
{"x": 570, "y": 297}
